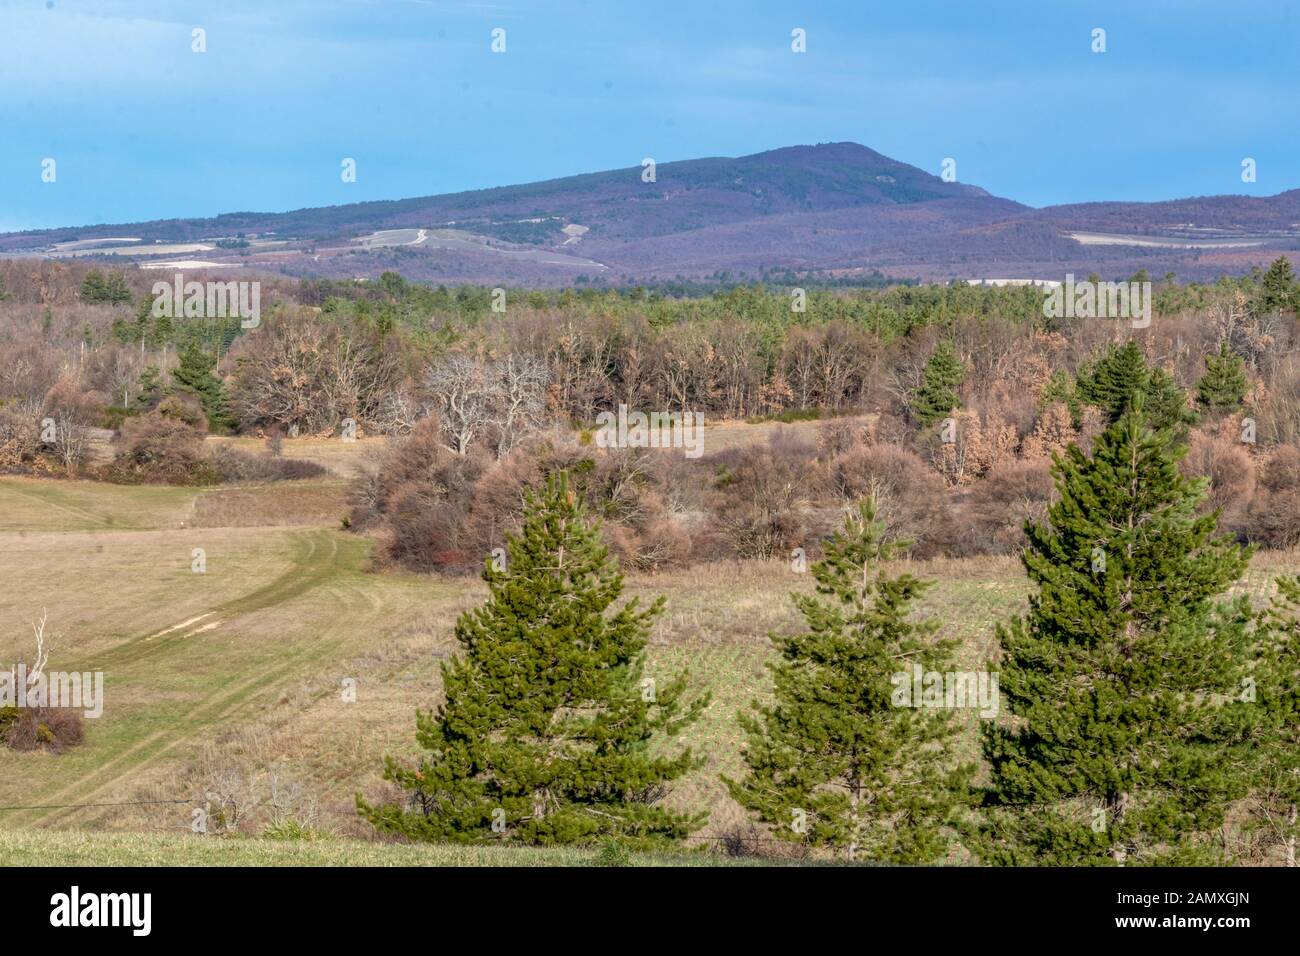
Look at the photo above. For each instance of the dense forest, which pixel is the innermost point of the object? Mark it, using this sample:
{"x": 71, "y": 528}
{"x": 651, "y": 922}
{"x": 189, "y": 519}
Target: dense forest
{"x": 944, "y": 402}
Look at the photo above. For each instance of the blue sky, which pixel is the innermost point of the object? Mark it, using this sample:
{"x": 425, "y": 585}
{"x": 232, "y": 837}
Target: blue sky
{"x": 141, "y": 127}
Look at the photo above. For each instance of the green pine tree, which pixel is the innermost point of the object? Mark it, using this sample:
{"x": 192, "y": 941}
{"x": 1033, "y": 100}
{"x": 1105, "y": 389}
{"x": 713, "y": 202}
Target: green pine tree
{"x": 837, "y": 761}
{"x": 549, "y": 732}
{"x": 143, "y": 313}
{"x": 115, "y": 290}
{"x": 1124, "y": 743}
{"x": 150, "y": 391}
{"x": 1277, "y": 289}
{"x": 1061, "y": 388}
{"x": 1223, "y": 386}
{"x": 93, "y": 287}
{"x": 1166, "y": 405}
{"x": 1275, "y": 781}
{"x": 160, "y": 332}
{"x": 123, "y": 331}
{"x": 1113, "y": 381}
{"x": 194, "y": 375}
{"x": 936, "y": 396}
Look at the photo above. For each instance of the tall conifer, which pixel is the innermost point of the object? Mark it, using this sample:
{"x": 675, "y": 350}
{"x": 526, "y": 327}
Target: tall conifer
{"x": 1275, "y": 782}
{"x": 550, "y": 733}
{"x": 1123, "y": 743}
{"x": 1223, "y": 386}
{"x": 835, "y": 762}
{"x": 937, "y": 395}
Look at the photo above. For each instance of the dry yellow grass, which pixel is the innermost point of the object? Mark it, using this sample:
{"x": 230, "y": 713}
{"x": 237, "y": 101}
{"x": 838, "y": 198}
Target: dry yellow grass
{"x": 235, "y": 677}
{"x": 341, "y": 458}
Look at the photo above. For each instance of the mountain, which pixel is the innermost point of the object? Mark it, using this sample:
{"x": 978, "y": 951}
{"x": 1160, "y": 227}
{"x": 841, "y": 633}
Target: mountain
{"x": 837, "y": 208}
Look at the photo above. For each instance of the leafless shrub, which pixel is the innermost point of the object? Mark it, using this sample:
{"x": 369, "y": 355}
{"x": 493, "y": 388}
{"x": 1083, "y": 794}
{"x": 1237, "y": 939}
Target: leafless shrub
{"x": 1231, "y": 473}
{"x": 762, "y": 495}
{"x": 71, "y": 413}
{"x": 749, "y": 841}
{"x": 911, "y": 500}
{"x": 237, "y": 466}
{"x": 1000, "y": 504}
{"x": 416, "y": 496}
{"x": 1278, "y": 412}
{"x": 42, "y": 727}
{"x": 19, "y": 437}
{"x": 154, "y": 449}
{"x": 229, "y": 793}
{"x": 184, "y": 408}
{"x": 1273, "y": 517}
{"x": 45, "y": 728}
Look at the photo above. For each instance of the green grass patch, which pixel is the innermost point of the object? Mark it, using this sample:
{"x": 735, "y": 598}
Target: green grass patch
{"x": 79, "y": 848}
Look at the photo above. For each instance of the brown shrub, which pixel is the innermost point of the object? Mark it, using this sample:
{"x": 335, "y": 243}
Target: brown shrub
{"x": 999, "y": 505}
{"x": 44, "y": 728}
{"x": 433, "y": 510}
{"x": 1053, "y": 432}
{"x": 889, "y": 429}
{"x": 417, "y": 498}
{"x": 237, "y": 466}
{"x": 762, "y": 496}
{"x": 632, "y": 489}
{"x": 748, "y": 840}
{"x": 652, "y": 539}
{"x": 1231, "y": 473}
{"x": 1273, "y": 518}
{"x": 620, "y": 487}
{"x": 422, "y": 531}
{"x": 154, "y": 449}
{"x": 184, "y": 408}
{"x": 73, "y": 412}
{"x": 497, "y": 503}
{"x": 19, "y": 439}
{"x": 911, "y": 500}
{"x": 979, "y": 442}
{"x": 839, "y": 435}
{"x": 1278, "y": 414}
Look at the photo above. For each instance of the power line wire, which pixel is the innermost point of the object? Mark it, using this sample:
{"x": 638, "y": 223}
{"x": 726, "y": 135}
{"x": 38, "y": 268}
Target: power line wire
{"x": 82, "y": 806}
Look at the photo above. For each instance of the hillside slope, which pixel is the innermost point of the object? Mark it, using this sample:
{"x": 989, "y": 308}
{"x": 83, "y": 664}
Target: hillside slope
{"x": 833, "y": 208}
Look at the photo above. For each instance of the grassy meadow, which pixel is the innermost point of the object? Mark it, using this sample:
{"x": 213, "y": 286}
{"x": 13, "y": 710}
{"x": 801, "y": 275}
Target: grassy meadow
{"x": 236, "y": 680}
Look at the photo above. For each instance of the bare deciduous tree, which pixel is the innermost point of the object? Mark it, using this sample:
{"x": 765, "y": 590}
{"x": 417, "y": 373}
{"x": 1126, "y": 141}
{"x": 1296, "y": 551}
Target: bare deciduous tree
{"x": 459, "y": 388}
{"x": 471, "y": 396}
{"x": 520, "y": 386}
{"x": 399, "y": 412}
{"x": 37, "y": 669}
{"x": 66, "y": 421}
{"x": 306, "y": 375}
